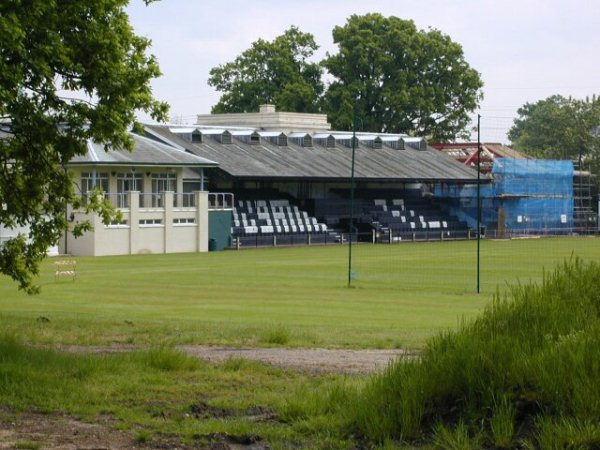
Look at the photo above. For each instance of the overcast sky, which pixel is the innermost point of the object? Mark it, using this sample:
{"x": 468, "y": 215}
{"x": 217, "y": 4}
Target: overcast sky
{"x": 525, "y": 50}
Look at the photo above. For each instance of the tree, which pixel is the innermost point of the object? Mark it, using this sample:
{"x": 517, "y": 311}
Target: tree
{"x": 559, "y": 128}
{"x": 395, "y": 78}
{"x": 50, "y": 49}
{"x": 277, "y": 72}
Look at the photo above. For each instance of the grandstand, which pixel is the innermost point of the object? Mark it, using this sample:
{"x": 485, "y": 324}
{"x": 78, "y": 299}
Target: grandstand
{"x": 291, "y": 180}
{"x": 290, "y": 176}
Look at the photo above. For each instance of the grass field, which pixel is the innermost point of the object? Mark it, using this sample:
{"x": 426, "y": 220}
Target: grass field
{"x": 158, "y": 397}
{"x": 401, "y": 294}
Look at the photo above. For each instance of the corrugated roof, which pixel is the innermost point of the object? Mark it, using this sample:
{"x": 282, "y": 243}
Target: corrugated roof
{"x": 267, "y": 160}
{"x": 147, "y": 152}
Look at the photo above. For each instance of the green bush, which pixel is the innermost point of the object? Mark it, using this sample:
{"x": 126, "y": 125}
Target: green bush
{"x": 533, "y": 354}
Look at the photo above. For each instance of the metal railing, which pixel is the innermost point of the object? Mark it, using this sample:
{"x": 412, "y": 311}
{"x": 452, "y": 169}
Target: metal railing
{"x": 220, "y": 200}
{"x": 118, "y": 200}
{"x": 122, "y": 200}
{"x": 151, "y": 200}
{"x": 184, "y": 200}
{"x": 331, "y": 237}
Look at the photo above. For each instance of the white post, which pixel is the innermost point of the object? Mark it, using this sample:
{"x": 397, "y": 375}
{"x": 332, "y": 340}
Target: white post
{"x": 134, "y": 221}
{"x": 168, "y": 220}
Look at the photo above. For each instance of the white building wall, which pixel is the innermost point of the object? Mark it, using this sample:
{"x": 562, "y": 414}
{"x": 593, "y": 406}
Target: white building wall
{"x": 146, "y": 230}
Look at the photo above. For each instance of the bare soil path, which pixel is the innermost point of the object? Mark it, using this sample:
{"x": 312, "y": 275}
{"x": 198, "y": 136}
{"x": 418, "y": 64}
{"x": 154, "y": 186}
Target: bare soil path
{"x": 305, "y": 359}
{"x": 317, "y": 360}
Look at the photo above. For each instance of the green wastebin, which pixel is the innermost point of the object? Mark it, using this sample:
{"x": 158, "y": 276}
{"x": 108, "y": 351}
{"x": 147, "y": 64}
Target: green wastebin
{"x": 212, "y": 245}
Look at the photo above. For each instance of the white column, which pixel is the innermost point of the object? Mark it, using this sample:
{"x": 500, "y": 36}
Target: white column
{"x": 202, "y": 220}
{"x": 168, "y": 221}
{"x": 134, "y": 222}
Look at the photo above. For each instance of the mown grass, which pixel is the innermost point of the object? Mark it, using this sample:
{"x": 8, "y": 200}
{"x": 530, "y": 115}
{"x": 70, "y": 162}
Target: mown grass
{"x": 297, "y": 297}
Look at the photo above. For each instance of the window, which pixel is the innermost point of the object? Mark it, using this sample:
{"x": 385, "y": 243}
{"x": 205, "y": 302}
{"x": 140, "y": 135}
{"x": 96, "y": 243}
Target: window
{"x": 196, "y": 137}
{"x": 282, "y": 140}
{"x": 117, "y": 224}
{"x": 162, "y": 182}
{"x": 184, "y": 221}
{"x": 92, "y": 180}
{"x": 150, "y": 222}
{"x": 128, "y": 182}
{"x": 225, "y": 137}
{"x": 254, "y": 138}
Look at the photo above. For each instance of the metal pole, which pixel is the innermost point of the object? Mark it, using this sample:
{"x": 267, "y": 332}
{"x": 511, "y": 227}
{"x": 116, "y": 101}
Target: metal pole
{"x": 478, "y": 200}
{"x": 351, "y": 202}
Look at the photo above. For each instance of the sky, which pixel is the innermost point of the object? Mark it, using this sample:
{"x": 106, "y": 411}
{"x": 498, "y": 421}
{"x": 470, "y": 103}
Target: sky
{"x": 524, "y": 50}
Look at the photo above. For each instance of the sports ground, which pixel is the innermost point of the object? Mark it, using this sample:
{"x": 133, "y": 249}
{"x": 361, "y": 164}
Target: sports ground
{"x": 400, "y": 294}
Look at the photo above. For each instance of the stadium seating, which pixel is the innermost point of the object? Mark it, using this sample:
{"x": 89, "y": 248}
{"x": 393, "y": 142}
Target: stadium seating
{"x": 378, "y": 216}
{"x": 276, "y": 222}
{"x": 393, "y": 219}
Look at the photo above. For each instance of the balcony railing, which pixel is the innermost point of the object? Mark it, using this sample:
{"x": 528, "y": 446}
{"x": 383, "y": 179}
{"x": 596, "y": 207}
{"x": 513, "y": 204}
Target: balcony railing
{"x": 122, "y": 200}
{"x": 220, "y": 200}
{"x": 185, "y": 200}
{"x": 154, "y": 200}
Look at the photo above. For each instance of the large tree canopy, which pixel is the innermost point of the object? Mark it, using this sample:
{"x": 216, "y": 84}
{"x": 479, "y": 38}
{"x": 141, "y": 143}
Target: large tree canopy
{"x": 395, "y": 78}
{"x": 51, "y": 49}
{"x": 277, "y": 72}
{"x": 559, "y": 128}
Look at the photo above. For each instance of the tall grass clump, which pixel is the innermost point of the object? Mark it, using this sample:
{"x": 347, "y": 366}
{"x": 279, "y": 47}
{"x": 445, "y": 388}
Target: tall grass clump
{"x": 526, "y": 370}
{"x": 276, "y": 335}
{"x": 36, "y": 378}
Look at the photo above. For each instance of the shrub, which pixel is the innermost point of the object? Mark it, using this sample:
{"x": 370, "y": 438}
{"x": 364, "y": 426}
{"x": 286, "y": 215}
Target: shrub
{"x": 534, "y": 353}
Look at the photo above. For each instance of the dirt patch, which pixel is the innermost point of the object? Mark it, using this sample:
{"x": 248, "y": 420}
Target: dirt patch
{"x": 317, "y": 360}
{"x": 55, "y": 431}
{"x": 61, "y": 432}
{"x": 307, "y": 359}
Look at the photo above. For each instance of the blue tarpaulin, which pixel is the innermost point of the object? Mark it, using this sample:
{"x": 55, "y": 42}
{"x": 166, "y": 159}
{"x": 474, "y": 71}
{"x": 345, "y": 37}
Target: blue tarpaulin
{"x": 534, "y": 195}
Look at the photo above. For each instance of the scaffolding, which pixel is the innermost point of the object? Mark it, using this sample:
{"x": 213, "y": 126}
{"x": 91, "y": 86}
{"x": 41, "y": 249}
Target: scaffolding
{"x": 525, "y": 197}
{"x": 584, "y": 216}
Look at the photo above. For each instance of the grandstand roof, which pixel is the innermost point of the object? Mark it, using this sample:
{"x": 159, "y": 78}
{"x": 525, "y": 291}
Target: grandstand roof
{"x": 264, "y": 159}
{"x": 146, "y": 152}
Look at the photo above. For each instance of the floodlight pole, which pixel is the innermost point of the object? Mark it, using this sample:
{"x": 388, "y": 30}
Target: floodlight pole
{"x": 351, "y": 201}
{"x": 478, "y": 201}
